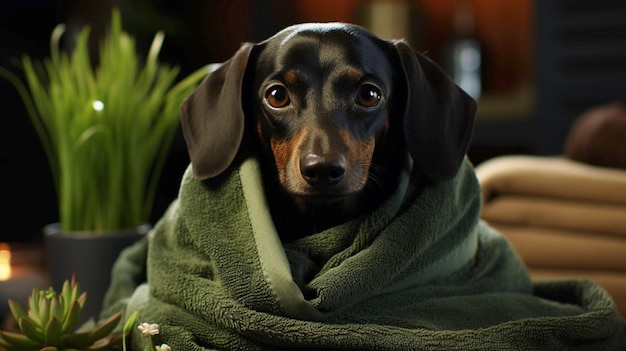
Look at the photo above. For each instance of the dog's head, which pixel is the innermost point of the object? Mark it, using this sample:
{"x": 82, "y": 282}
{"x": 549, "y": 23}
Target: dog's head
{"x": 322, "y": 98}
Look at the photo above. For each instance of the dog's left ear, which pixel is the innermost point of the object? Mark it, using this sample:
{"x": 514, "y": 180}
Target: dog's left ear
{"x": 212, "y": 118}
{"x": 438, "y": 117}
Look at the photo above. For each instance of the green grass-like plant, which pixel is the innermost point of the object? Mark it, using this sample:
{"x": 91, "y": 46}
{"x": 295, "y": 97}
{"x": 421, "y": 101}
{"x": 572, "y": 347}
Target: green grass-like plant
{"x": 106, "y": 128}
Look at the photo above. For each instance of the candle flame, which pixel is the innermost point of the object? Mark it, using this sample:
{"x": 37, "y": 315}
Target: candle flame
{"x": 5, "y": 262}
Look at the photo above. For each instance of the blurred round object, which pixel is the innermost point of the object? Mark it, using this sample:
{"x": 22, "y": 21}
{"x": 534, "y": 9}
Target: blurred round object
{"x": 598, "y": 136}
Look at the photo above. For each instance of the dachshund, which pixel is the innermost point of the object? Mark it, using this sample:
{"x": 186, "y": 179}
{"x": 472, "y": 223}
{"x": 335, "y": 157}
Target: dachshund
{"x": 333, "y": 110}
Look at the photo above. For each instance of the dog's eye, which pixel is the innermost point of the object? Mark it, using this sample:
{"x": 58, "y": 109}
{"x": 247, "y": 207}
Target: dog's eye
{"x": 369, "y": 95}
{"x": 277, "y": 96}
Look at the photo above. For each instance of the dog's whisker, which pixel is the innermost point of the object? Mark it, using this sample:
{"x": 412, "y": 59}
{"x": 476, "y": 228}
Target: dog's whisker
{"x": 377, "y": 176}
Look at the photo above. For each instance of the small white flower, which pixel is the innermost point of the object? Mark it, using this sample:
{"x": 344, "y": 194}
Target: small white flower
{"x": 163, "y": 347}
{"x": 149, "y": 329}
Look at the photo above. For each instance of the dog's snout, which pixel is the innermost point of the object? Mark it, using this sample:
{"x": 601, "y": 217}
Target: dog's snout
{"x": 323, "y": 170}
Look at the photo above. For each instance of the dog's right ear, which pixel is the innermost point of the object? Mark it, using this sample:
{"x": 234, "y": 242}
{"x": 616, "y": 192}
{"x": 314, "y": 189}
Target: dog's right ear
{"x": 212, "y": 117}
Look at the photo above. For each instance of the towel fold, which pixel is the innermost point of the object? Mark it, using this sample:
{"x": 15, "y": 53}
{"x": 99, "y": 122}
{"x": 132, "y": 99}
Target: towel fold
{"x": 565, "y": 249}
{"x": 556, "y": 213}
{"x": 553, "y": 177}
{"x": 421, "y": 272}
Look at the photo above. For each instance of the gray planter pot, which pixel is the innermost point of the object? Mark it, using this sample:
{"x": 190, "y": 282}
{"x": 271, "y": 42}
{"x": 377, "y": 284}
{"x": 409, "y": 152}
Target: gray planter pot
{"x": 88, "y": 256}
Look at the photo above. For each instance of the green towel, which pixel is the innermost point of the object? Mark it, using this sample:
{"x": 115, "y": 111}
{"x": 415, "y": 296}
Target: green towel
{"x": 421, "y": 272}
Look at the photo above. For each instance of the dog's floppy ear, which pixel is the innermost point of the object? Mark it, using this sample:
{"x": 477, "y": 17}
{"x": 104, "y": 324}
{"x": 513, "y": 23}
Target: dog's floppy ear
{"x": 438, "y": 117}
{"x": 212, "y": 117}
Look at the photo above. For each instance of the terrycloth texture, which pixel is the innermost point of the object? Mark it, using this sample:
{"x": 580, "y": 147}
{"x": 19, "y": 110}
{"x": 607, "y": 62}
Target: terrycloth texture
{"x": 419, "y": 273}
{"x": 565, "y": 218}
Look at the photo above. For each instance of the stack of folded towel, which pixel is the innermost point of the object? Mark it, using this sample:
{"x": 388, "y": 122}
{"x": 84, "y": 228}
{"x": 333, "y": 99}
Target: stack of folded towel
{"x": 566, "y": 219}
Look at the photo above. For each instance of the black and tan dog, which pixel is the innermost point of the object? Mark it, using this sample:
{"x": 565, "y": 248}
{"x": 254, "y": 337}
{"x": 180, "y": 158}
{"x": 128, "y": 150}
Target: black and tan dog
{"x": 334, "y": 109}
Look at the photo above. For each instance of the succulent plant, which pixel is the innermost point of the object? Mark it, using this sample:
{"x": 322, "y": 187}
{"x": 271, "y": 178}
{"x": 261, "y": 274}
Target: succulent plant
{"x": 51, "y": 321}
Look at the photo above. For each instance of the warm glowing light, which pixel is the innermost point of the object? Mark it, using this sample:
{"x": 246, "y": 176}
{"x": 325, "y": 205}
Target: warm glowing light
{"x": 5, "y": 262}
{"x": 98, "y": 105}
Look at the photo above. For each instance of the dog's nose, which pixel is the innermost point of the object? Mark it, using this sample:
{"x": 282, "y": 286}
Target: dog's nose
{"x": 323, "y": 171}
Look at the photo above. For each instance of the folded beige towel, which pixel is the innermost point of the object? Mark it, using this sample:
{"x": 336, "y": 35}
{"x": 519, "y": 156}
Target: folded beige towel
{"x": 566, "y": 249}
{"x": 556, "y": 213}
{"x": 555, "y": 177}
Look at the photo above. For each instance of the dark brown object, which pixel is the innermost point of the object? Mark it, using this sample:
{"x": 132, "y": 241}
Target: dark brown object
{"x": 598, "y": 136}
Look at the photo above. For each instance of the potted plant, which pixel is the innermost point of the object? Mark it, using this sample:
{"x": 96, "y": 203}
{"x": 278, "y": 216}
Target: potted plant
{"x": 106, "y": 126}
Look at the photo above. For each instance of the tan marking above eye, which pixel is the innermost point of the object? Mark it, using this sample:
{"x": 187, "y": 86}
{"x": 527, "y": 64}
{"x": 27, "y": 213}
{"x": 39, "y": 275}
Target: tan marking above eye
{"x": 354, "y": 75}
{"x": 291, "y": 77}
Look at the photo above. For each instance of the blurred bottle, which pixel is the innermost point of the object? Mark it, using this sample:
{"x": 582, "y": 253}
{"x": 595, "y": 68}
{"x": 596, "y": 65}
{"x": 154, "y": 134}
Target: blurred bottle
{"x": 463, "y": 58}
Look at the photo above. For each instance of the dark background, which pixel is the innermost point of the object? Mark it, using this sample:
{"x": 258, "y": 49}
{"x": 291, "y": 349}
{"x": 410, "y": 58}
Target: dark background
{"x": 545, "y": 63}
